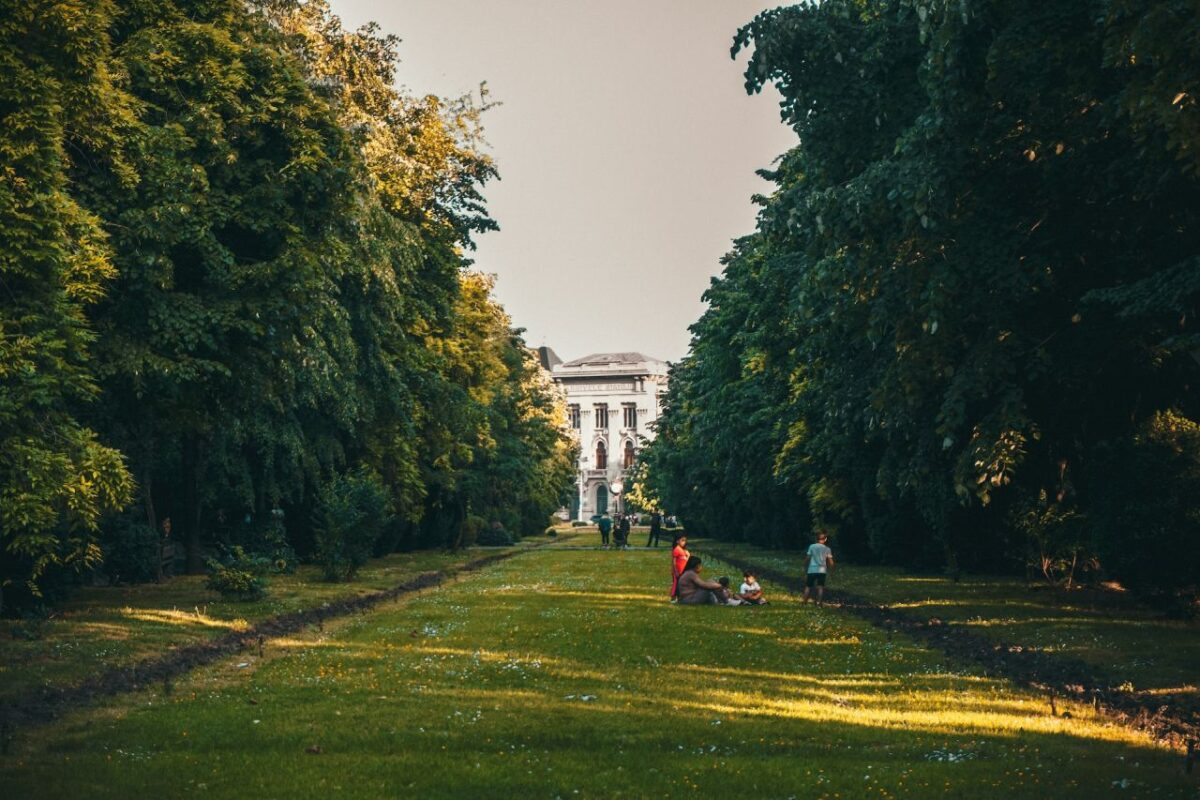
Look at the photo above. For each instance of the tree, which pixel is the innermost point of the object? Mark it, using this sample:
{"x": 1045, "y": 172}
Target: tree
{"x": 57, "y": 104}
{"x": 978, "y": 267}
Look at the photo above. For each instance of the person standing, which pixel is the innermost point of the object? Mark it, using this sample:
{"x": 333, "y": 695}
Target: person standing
{"x": 820, "y": 562}
{"x": 655, "y": 529}
{"x": 605, "y": 526}
{"x": 679, "y": 559}
{"x": 622, "y": 537}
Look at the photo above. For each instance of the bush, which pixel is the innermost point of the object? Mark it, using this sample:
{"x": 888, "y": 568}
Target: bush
{"x": 239, "y": 576}
{"x": 352, "y": 513}
{"x": 1145, "y": 516}
{"x": 268, "y": 538}
{"x": 495, "y": 536}
{"x": 579, "y": 524}
{"x": 131, "y": 551}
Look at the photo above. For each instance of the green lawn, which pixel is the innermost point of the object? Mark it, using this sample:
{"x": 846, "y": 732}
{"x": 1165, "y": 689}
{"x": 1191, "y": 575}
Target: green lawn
{"x": 564, "y": 673}
{"x": 1136, "y": 646}
{"x": 106, "y": 627}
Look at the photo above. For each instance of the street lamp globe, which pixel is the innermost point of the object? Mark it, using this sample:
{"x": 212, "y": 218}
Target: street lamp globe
{"x": 617, "y": 486}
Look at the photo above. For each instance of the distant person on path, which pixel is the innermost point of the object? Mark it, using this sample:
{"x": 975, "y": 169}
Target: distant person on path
{"x": 605, "y": 526}
{"x": 820, "y": 561}
{"x": 679, "y": 559}
{"x": 750, "y": 591}
{"x": 694, "y": 590}
{"x": 655, "y": 529}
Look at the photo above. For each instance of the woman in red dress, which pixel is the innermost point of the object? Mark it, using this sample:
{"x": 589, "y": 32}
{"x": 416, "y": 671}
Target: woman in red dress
{"x": 679, "y": 559}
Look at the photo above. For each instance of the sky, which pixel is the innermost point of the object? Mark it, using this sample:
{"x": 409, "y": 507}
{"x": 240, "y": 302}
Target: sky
{"x": 627, "y": 148}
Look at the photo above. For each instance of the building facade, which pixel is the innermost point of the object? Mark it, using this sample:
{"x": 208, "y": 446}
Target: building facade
{"x": 613, "y": 401}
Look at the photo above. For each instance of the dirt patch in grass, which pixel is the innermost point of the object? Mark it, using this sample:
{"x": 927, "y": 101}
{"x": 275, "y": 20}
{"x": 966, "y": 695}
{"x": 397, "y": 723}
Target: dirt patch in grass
{"x": 1174, "y": 718}
{"x": 52, "y": 702}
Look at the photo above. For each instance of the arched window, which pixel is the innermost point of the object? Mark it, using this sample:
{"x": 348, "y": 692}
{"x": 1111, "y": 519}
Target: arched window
{"x": 627, "y": 461}
{"x": 601, "y": 456}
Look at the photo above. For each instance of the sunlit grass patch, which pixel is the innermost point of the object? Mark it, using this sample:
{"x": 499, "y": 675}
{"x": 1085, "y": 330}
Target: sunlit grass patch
{"x": 1132, "y": 643}
{"x": 527, "y": 680}
{"x": 110, "y": 627}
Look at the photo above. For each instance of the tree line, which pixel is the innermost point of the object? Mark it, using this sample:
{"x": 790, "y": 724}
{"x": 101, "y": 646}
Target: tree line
{"x": 964, "y": 332}
{"x": 234, "y": 270}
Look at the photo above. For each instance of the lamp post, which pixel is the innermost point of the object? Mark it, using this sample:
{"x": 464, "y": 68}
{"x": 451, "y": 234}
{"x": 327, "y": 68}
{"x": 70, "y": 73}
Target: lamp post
{"x": 617, "y": 485}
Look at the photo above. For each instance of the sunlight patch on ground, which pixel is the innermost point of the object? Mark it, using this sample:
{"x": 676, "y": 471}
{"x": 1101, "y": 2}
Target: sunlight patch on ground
{"x": 177, "y": 617}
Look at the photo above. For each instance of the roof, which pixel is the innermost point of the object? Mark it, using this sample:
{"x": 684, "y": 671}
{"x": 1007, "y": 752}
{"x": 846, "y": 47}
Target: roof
{"x": 607, "y": 359}
{"x": 548, "y": 358}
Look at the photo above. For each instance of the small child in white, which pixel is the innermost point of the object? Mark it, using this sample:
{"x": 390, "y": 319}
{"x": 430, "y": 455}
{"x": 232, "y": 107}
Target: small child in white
{"x": 750, "y": 591}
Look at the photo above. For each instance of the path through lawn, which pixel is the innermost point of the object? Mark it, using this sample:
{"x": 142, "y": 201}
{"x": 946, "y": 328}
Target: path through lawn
{"x": 563, "y": 673}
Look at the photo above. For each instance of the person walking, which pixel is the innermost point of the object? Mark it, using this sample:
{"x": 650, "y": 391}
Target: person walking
{"x": 820, "y": 562}
{"x": 605, "y": 526}
{"x": 679, "y": 559}
{"x": 655, "y": 529}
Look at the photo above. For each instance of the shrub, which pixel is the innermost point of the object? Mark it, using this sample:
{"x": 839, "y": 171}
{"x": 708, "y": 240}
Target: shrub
{"x": 1145, "y": 517}
{"x": 239, "y": 576}
{"x": 495, "y": 536}
{"x": 352, "y": 513}
{"x": 131, "y": 550}
{"x": 268, "y": 538}
{"x": 579, "y": 524}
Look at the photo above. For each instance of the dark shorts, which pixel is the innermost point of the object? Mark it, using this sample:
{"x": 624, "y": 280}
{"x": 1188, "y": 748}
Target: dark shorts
{"x": 816, "y": 579}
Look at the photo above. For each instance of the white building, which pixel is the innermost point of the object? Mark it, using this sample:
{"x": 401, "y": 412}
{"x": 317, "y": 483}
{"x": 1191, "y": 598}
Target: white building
{"x": 613, "y": 400}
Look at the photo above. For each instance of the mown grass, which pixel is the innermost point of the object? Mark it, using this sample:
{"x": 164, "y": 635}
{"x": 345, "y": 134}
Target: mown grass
{"x": 564, "y": 673}
{"x": 1136, "y": 645}
{"x": 106, "y": 627}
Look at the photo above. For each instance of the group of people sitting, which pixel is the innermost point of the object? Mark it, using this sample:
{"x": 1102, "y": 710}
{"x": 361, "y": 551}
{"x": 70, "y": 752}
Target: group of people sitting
{"x": 689, "y": 588}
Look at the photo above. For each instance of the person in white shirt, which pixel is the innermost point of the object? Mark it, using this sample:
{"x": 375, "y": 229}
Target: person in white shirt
{"x": 820, "y": 562}
{"x": 750, "y": 591}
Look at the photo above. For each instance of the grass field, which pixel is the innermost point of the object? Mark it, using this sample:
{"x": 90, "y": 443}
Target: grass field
{"x": 564, "y": 673}
{"x": 1138, "y": 647}
{"x": 106, "y": 627}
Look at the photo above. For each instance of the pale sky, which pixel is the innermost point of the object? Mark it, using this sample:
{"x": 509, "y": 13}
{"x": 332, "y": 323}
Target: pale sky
{"x": 626, "y": 146}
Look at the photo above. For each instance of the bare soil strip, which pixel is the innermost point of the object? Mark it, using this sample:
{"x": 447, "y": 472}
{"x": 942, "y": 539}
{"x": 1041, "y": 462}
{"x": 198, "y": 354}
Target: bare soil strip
{"x": 53, "y": 702}
{"x": 1174, "y": 719}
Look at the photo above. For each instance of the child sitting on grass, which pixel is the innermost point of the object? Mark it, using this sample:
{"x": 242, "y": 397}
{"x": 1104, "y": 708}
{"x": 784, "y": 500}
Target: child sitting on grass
{"x": 750, "y": 591}
{"x": 726, "y": 597}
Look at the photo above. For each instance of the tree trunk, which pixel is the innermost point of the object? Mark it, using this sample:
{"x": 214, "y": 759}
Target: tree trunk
{"x": 191, "y": 503}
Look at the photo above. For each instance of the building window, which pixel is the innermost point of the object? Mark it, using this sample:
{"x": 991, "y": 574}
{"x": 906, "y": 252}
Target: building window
{"x": 630, "y": 411}
{"x": 573, "y": 414}
{"x": 627, "y": 461}
{"x": 602, "y": 416}
{"x": 601, "y": 456}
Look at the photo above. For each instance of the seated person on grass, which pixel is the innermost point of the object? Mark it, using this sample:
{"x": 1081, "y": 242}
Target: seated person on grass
{"x": 725, "y": 596}
{"x": 694, "y": 590}
{"x": 750, "y": 591}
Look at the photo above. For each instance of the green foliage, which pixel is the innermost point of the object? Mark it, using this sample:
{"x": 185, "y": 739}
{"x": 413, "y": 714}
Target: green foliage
{"x": 57, "y": 103}
{"x": 266, "y": 537}
{"x": 352, "y": 513}
{"x": 1146, "y": 521}
{"x": 239, "y": 575}
{"x": 132, "y": 550}
{"x": 225, "y": 222}
{"x": 977, "y": 264}
{"x": 494, "y": 535}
